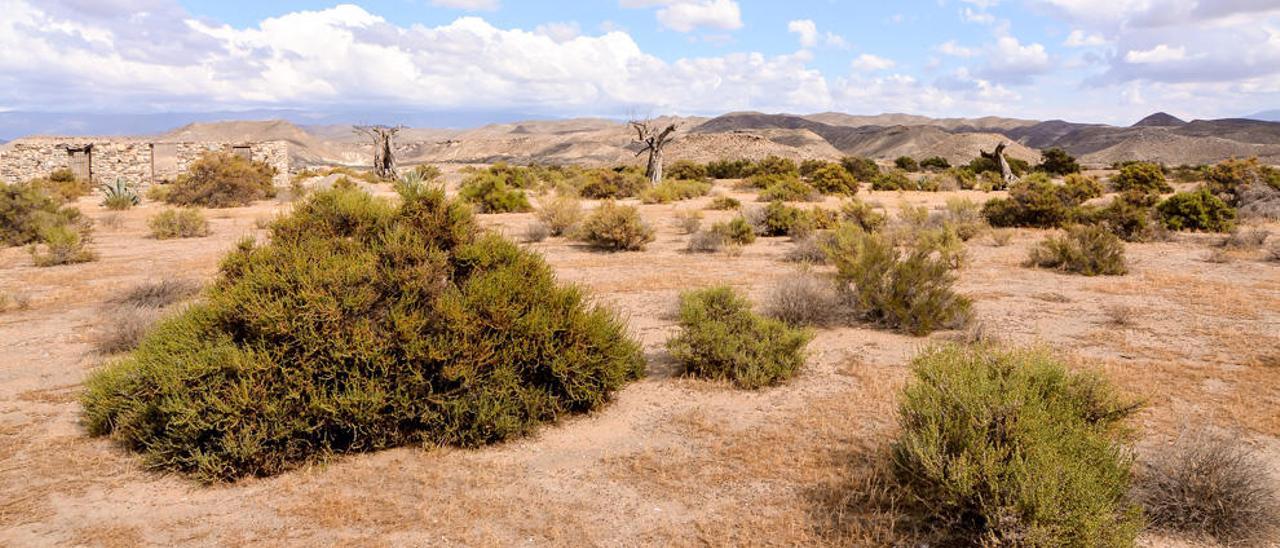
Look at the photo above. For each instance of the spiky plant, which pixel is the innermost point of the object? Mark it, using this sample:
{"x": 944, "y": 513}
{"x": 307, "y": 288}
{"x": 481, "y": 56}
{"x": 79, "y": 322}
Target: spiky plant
{"x": 119, "y": 195}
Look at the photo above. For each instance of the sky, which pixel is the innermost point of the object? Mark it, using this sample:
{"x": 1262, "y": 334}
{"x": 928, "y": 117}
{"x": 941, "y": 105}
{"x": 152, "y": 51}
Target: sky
{"x": 1111, "y": 61}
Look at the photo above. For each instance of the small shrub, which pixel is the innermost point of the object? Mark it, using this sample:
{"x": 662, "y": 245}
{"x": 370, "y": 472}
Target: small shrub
{"x": 1009, "y": 448}
{"x": 736, "y": 231}
{"x": 11, "y": 301}
{"x": 906, "y": 163}
{"x": 832, "y": 179}
{"x": 802, "y": 299}
{"x": 1001, "y": 237}
{"x": 777, "y": 166}
{"x": 1120, "y": 315}
{"x": 790, "y": 189}
{"x": 1127, "y": 216}
{"x": 222, "y": 179}
{"x": 707, "y": 241}
{"x": 963, "y": 177}
{"x": 892, "y": 180}
{"x": 158, "y": 294}
{"x": 724, "y": 203}
{"x": 1056, "y": 161}
{"x": 560, "y": 214}
{"x": 729, "y": 169}
{"x": 673, "y": 190}
{"x": 1087, "y": 250}
{"x": 686, "y": 170}
{"x": 493, "y": 194}
{"x": 1082, "y": 188}
{"x": 810, "y": 249}
{"x": 722, "y": 339}
{"x": 62, "y": 185}
{"x": 62, "y": 245}
{"x": 601, "y": 184}
{"x": 427, "y": 173}
{"x": 126, "y": 328}
{"x": 184, "y": 222}
{"x": 964, "y": 217}
{"x": 776, "y": 219}
{"x": 536, "y": 231}
{"x": 616, "y": 227}
{"x": 862, "y": 169}
{"x": 1230, "y": 179}
{"x": 361, "y": 325}
{"x": 1213, "y": 485}
{"x": 1246, "y": 239}
{"x": 688, "y": 221}
{"x": 25, "y": 212}
{"x": 1198, "y": 211}
{"x": 1142, "y": 177}
{"x": 935, "y": 163}
{"x": 863, "y": 215}
{"x": 119, "y": 196}
{"x": 912, "y": 293}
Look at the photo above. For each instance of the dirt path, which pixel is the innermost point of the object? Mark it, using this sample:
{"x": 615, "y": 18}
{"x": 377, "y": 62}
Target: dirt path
{"x": 672, "y": 461}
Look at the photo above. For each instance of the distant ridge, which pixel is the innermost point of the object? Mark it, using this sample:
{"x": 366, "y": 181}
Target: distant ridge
{"x": 1266, "y": 116}
{"x": 1160, "y": 119}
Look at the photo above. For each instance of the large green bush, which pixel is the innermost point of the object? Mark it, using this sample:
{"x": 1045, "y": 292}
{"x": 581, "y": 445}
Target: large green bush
{"x": 1007, "y": 448}
{"x": 1090, "y": 250}
{"x": 894, "y": 179}
{"x": 222, "y": 179}
{"x": 1199, "y": 210}
{"x": 789, "y": 189}
{"x": 830, "y": 178}
{"x": 492, "y": 193}
{"x": 614, "y": 227}
{"x": 1230, "y": 178}
{"x": 25, "y": 211}
{"x": 361, "y": 326}
{"x": 862, "y": 169}
{"x": 776, "y": 165}
{"x": 686, "y": 170}
{"x": 729, "y": 169}
{"x": 909, "y": 291}
{"x": 601, "y": 184}
{"x": 1056, "y": 161}
{"x": 674, "y": 190}
{"x": 1143, "y": 177}
{"x": 1034, "y": 201}
{"x": 721, "y": 338}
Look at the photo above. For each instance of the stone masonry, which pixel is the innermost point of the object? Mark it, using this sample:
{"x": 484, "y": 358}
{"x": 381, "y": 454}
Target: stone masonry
{"x": 140, "y": 162}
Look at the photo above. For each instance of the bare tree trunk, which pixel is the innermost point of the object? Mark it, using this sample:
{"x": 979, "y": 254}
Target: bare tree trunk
{"x": 1006, "y": 172}
{"x": 654, "y": 141}
{"x": 384, "y": 159}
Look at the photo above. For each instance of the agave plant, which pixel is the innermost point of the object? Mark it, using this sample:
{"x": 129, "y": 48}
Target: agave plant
{"x": 119, "y": 195}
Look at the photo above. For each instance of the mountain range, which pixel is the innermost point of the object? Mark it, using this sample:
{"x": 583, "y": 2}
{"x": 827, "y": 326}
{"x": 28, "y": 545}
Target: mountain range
{"x": 1159, "y": 137}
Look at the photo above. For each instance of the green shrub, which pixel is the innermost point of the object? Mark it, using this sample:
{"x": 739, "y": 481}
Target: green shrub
{"x": 1008, "y": 448}
{"x": 790, "y": 189}
{"x": 862, "y": 169}
{"x": 119, "y": 196}
{"x": 776, "y": 165}
{"x": 492, "y": 194}
{"x": 863, "y": 215}
{"x": 830, "y": 178}
{"x": 963, "y": 177}
{"x": 1232, "y": 179}
{"x": 361, "y": 326}
{"x": 736, "y": 231}
{"x": 724, "y": 203}
{"x": 964, "y": 217}
{"x": 906, "y": 163}
{"x": 935, "y": 163}
{"x": 616, "y": 227}
{"x": 222, "y": 179}
{"x": 1056, "y": 161}
{"x": 62, "y": 244}
{"x": 427, "y": 172}
{"x": 178, "y": 223}
{"x": 26, "y": 210}
{"x": 808, "y": 167}
{"x": 1128, "y": 216}
{"x": 1142, "y": 177}
{"x": 1084, "y": 249}
{"x": 602, "y": 184}
{"x": 1034, "y": 201}
{"x": 686, "y": 170}
{"x": 1082, "y": 188}
{"x": 892, "y": 180}
{"x": 729, "y": 169}
{"x": 982, "y": 164}
{"x": 721, "y": 338}
{"x": 62, "y": 185}
{"x": 778, "y": 219}
{"x": 560, "y": 214}
{"x": 912, "y": 293}
{"x": 674, "y": 190}
{"x": 1199, "y": 211}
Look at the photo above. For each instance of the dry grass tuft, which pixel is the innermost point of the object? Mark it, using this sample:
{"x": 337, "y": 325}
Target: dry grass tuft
{"x": 1247, "y": 240}
{"x": 1121, "y": 315}
{"x": 536, "y": 231}
{"x": 14, "y": 301}
{"x": 1213, "y": 485}
{"x": 158, "y": 294}
{"x": 803, "y": 298}
{"x": 126, "y": 328}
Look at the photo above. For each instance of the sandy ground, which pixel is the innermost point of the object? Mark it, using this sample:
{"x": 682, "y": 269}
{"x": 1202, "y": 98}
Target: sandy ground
{"x": 672, "y": 461}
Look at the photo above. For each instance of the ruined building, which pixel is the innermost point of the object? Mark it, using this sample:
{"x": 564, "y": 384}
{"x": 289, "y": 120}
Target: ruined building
{"x": 138, "y": 161}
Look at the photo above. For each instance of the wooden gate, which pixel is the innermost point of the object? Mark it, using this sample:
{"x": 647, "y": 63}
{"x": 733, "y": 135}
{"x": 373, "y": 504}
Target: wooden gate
{"x": 81, "y": 162}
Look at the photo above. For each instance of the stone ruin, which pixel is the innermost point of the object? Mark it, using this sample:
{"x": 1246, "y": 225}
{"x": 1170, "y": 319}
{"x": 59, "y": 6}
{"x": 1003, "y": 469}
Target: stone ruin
{"x": 139, "y": 162}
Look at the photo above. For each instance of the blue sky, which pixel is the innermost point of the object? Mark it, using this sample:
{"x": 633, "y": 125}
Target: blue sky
{"x": 1083, "y": 60}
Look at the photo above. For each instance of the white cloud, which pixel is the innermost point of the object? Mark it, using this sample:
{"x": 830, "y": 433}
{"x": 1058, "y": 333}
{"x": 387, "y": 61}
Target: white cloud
{"x": 868, "y": 62}
{"x": 980, "y": 17}
{"x": 1010, "y": 61}
{"x": 1080, "y": 39}
{"x": 953, "y": 49}
{"x": 560, "y": 31}
{"x": 1160, "y": 54}
{"x": 806, "y": 30}
{"x": 688, "y": 15}
{"x": 469, "y": 5}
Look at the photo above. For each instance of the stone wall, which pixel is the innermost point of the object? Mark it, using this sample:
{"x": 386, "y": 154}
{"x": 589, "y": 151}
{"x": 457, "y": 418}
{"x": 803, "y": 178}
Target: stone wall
{"x": 139, "y": 162}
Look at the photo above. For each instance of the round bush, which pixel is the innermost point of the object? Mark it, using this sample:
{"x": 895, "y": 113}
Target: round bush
{"x": 492, "y": 193}
{"x": 361, "y": 326}
{"x": 721, "y": 338}
{"x": 616, "y": 227}
{"x": 1199, "y": 210}
{"x": 1090, "y": 250}
{"x": 1143, "y": 177}
{"x": 833, "y": 179}
{"x": 222, "y": 179}
{"x": 1007, "y": 448}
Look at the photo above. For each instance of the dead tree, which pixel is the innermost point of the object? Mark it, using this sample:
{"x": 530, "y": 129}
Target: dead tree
{"x": 1006, "y": 172}
{"x": 653, "y": 140}
{"x": 384, "y": 157}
